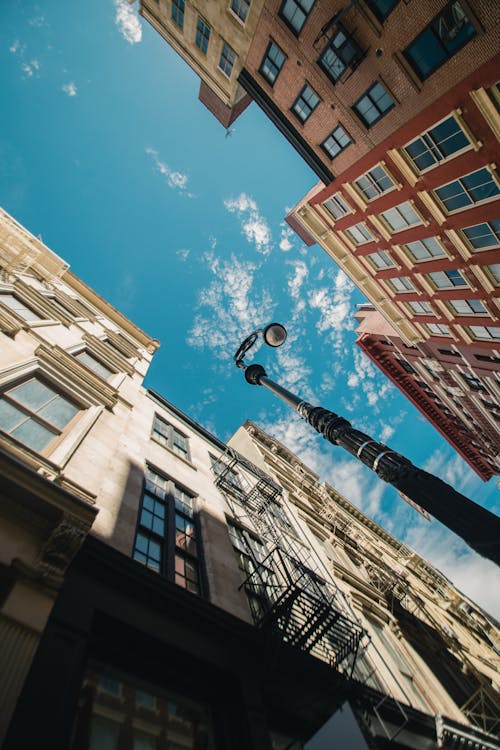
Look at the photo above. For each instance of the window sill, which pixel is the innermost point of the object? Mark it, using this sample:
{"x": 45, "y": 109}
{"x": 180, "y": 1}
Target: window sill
{"x": 173, "y": 453}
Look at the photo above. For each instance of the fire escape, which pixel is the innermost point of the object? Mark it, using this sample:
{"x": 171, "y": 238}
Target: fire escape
{"x": 341, "y": 52}
{"x": 298, "y": 607}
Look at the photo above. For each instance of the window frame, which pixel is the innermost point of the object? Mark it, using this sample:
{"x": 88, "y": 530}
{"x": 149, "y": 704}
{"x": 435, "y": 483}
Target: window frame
{"x": 166, "y": 540}
{"x": 494, "y": 233}
{"x": 240, "y": 3}
{"x": 201, "y": 39}
{"x": 287, "y": 21}
{"x": 395, "y": 230}
{"x": 438, "y": 332}
{"x": 451, "y": 285}
{"x": 489, "y": 337}
{"x": 420, "y": 312}
{"x": 465, "y": 191}
{"x": 336, "y": 52}
{"x": 334, "y": 138}
{"x": 338, "y": 200}
{"x": 169, "y": 438}
{"x": 426, "y": 136}
{"x": 379, "y": 15}
{"x": 470, "y": 312}
{"x": 406, "y": 290}
{"x": 177, "y": 11}
{"x": 407, "y": 250}
{"x": 438, "y": 41}
{"x": 227, "y": 59}
{"x": 367, "y": 95}
{"x": 266, "y": 58}
{"x": 59, "y": 433}
{"x": 301, "y": 98}
{"x": 370, "y": 256}
{"x": 373, "y": 183}
{"x": 365, "y": 241}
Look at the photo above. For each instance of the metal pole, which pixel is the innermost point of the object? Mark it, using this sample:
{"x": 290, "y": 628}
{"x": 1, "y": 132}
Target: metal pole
{"x": 477, "y": 526}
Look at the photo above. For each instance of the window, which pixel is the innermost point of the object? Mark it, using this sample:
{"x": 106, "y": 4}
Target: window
{"x": 485, "y": 332}
{"x": 231, "y": 480}
{"x": 336, "y": 206}
{"x": 437, "y": 144}
{"x": 359, "y": 234}
{"x": 94, "y": 364}
{"x": 467, "y": 306}
{"x": 425, "y": 249}
{"x": 494, "y": 273}
{"x": 178, "y": 12}
{"x": 381, "y": 8}
{"x": 336, "y": 142}
{"x": 406, "y": 365}
{"x": 473, "y": 382}
{"x": 447, "y": 279}
{"x": 402, "y": 284}
{"x": 272, "y": 63}
{"x": 437, "y": 329}
{"x": 240, "y": 8}
{"x": 305, "y": 103}
{"x": 164, "y": 433}
{"x": 421, "y": 308}
{"x": 202, "y": 35}
{"x": 227, "y": 58}
{"x": 440, "y": 40}
{"x": 483, "y": 236}
{"x": 250, "y": 551}
{"x": 166, "y": 538}
{"x": 401, "y": 217}
{"x": 374, "y": 183}
{"x": 295, "y": 12}
{"x": 15, "y": 304}
{"x": 449, "y": 352}
{"x": 145, "y": 700}
{"x": 373, "y": 105}
{"x": 342, "y": 51}
{"x": 381, "y": 260}
{"x": 476, "y": 187}
{"x": 35, "y": 413}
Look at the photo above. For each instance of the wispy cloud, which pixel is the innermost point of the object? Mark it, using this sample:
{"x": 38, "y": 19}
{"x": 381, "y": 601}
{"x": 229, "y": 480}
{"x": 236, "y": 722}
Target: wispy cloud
{"x": 253, "y": 225}
{"x": 286, "y": 235}
{"x": 29, "y": 67}
{"x": 366, "y": 376}
{"x": 300, "y": 274}
{"x": 69, "y": 88}
{"x": 175, "y": 180}
{"x": 127, "y": 22}
{"x": 229, "y": 307}
{"x": 183, "y": 254}
{"x": 334, "y": 309}
{"x": 37, "y": 22}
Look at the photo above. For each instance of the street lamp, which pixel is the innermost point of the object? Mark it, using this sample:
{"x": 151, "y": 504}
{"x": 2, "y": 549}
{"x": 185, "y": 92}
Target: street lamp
{"x": 476, "y": 525}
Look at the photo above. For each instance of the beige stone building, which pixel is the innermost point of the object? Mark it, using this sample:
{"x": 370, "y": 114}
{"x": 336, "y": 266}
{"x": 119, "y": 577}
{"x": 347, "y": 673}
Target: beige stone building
{"x": 162, "y": 590}
{"x": 213, "y": 38}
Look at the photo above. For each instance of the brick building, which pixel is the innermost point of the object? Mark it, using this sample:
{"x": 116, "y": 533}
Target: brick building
{"x": 414, "y": 222}
{"x": 455, "y": 386}
{"x": 160, "y": 589}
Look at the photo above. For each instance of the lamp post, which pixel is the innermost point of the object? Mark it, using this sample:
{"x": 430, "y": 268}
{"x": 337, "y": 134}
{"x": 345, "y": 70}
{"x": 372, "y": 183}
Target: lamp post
{"x": 477, "y": 526}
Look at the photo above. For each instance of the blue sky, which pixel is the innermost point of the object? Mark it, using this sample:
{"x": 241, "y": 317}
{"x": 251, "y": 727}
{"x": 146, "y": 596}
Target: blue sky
{"x": 106, "y": 152}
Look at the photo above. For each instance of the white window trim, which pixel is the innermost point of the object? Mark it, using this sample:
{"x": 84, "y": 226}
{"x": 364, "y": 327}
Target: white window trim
{"x": 395, "y": 184}
{"x": 393, "y": 231}
{"x": 473, "y": 142}
{"x": 351, "y": 238}
{"x": 329, "y": 215}
{"x": 469, "y": 244}
{"x": 407, "y": 251}
{"x": 435, "y": 287}
{"x": 491, "y": 168}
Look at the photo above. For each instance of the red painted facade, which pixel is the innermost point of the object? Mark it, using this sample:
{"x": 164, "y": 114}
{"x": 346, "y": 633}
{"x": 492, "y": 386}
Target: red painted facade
{"x": 455, "y": 387}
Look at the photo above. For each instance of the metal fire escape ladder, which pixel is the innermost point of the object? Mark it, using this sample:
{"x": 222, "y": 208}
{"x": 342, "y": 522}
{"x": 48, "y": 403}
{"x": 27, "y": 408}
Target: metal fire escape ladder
{"x": 300, "y": 608}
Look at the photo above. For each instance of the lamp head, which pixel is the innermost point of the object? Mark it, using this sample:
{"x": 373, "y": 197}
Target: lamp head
{"x": 274, "y": 334}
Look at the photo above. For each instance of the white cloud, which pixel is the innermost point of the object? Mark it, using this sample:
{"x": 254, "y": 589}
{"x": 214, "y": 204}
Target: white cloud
{"x": 300, "y": 274}
{"x": 38, "y": 22}
{"x": 334, "y": 308}
{"x": 229, "y": 308}
{"x": 367, "y": 378}
{"x": 253, "y": 225}
{"x": 183, "y": 254}
{"x": 127, "y": 22}
{"x": 16, "y": 44}
{"x": 69, "y": 88}
{"x": 29, "y": 68}
{"x": 176, "y": 180}
{"x": 286, "y": 233}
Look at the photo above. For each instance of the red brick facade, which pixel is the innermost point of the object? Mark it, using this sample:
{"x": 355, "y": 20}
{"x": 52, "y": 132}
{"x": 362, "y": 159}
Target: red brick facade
{"x": 455, "y": 387}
